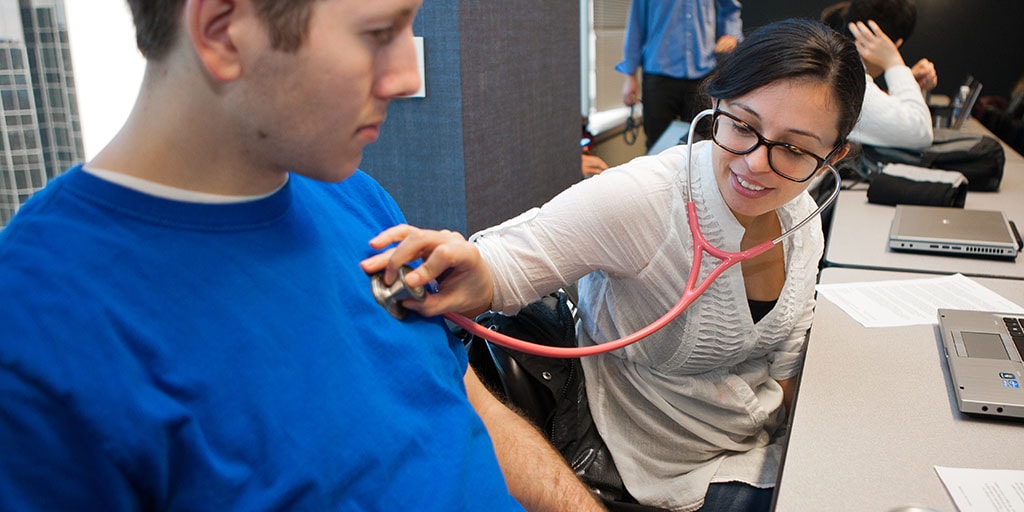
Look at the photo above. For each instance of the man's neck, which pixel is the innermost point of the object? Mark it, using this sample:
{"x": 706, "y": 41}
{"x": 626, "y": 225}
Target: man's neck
{"x": 185, "y": 148}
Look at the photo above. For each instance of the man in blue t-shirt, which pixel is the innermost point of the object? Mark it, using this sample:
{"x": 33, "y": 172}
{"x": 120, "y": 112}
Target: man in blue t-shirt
{"x": 185, "y": 322}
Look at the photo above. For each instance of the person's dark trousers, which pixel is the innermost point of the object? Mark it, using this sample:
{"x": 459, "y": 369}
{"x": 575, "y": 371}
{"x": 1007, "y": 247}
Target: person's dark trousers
{"x": 736, "y": 497}
{"x": 666, "y": 99}
{"x": 721, "y": 497}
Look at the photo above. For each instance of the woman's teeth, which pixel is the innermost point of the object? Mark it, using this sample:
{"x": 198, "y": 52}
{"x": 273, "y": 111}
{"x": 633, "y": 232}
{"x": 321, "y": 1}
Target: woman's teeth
{"x": 747, "y": 185}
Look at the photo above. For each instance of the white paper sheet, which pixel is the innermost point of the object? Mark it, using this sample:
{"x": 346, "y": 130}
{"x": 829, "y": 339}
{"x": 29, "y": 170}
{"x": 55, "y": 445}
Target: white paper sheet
{"x": 984, "y": 490}
{"x": 912, "y": 301}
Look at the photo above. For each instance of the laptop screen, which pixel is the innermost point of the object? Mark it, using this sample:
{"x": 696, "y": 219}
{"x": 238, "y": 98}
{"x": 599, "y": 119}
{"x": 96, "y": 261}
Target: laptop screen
{"x": 974, "y": 92}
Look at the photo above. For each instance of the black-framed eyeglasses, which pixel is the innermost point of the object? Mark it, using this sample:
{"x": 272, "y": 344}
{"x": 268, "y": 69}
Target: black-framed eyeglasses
{"x": 739, "y": 138}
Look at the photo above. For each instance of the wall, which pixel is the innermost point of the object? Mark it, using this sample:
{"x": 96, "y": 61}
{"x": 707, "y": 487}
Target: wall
{"x": 498, "y": 131}
{"x": 980, "y": 37}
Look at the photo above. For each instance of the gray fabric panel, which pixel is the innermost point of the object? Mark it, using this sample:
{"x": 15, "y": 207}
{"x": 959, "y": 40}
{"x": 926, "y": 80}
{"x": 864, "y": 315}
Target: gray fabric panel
{"x": 498, "y": 131}
{"x": 520, "y": 69}
{"x": 419, "y": 157}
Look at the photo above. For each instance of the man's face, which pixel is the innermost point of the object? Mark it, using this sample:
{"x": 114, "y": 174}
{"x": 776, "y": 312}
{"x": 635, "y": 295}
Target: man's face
{"x": 313, "y": 111}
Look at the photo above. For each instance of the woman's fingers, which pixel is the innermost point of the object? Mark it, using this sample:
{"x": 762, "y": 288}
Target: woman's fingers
{"x": 464, "y": 282}
{"x": 439, "y": 251}
{"x": 390, "y": 236}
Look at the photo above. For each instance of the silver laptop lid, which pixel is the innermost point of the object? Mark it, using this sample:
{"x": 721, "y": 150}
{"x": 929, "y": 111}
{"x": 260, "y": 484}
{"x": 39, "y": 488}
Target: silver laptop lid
{"x": 983, "y": 353}
{"x": 952, "y": 231}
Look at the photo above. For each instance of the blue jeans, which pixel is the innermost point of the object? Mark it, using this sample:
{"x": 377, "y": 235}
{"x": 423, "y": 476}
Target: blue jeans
{"x": 737, "y": 497}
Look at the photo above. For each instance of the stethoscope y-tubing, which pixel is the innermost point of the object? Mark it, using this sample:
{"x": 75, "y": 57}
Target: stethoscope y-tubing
{"x": 693, "y": 288}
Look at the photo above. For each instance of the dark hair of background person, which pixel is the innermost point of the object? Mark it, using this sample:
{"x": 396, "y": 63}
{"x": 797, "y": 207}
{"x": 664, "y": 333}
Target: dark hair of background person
{"x": 835, "y": 16}
{"x": 157, "y": 23}
{"x": 980, "y": 38}
{"x": 896, "y": 18}
{"x": 794, "y": 49}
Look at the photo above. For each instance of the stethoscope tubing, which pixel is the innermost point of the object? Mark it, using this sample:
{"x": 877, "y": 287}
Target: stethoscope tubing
{"x": 691, "y": 292}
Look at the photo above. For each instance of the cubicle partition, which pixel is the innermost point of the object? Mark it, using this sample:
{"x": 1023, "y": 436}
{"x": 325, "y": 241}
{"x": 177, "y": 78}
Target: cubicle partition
{"x": 498, "y": 131}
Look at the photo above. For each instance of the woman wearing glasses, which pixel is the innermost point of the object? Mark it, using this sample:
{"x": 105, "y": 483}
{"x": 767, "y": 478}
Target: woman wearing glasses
{"x": 694, "y": 415}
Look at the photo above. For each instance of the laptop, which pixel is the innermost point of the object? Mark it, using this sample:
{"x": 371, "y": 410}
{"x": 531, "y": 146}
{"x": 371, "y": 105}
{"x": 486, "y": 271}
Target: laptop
{"x": 943, "y": 113}
{"x": 953, "y": 231}
{"x": 983, "y": 352}
{"x": 974, "y": 87}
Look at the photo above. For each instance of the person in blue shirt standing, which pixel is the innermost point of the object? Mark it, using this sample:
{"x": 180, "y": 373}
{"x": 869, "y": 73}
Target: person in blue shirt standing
{"x": 674, "y": 43}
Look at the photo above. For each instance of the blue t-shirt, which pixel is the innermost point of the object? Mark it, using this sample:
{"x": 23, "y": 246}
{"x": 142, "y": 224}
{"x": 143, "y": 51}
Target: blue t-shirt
{"x": 163, "y": 355}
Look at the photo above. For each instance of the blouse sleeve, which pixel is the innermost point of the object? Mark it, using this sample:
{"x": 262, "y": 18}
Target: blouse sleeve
{"x": 613, "y": 222}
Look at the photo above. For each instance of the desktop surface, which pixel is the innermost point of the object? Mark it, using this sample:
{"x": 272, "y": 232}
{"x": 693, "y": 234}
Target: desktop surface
{"x": 859, "y": 235}
{"x": 875, "y": 414}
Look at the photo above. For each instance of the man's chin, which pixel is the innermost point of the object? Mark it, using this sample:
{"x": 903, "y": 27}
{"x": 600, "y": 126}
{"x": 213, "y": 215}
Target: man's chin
{"x": 332, "y": 175}
{"x": 345, "y": 173}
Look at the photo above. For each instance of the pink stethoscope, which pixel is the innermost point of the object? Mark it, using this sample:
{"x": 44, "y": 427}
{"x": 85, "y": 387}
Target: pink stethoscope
{"x": 390, "y": 297}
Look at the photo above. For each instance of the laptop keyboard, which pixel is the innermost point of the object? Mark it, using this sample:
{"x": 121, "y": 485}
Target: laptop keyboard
{"x": 1015, "y": 326}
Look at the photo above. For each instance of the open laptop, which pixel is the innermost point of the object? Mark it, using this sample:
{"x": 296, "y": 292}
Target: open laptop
{"x": 983, "y": 352}
{"x": 943, "y": 113}
{"x": 953, "y": 231}
{"x": 972, "y": 98}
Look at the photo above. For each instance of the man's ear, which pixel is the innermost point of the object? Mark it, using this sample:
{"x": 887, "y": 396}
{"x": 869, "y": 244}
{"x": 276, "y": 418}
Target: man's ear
{"x": 898, "y": 42}
{"x": 209, "y": 24}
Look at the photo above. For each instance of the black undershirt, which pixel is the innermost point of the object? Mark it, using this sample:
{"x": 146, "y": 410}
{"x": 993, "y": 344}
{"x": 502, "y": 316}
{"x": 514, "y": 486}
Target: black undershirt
{"x": 760, "y": 308}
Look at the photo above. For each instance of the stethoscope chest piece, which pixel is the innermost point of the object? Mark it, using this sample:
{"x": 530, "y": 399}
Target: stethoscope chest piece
{"x": 391, "y": 297}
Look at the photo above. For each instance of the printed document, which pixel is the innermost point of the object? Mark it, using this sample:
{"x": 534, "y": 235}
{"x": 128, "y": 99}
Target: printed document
{"x": 912, "y": 301}
{"x": 978, "y": 490}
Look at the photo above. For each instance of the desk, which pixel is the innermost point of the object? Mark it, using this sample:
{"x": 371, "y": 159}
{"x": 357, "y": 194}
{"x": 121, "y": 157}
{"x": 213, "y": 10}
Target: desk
{"x": 875, "y": 413}
{"x": 859, "y": 235}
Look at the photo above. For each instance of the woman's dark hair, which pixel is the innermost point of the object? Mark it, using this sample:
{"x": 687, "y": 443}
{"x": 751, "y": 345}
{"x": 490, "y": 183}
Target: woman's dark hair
{"x": 794, "y": 49}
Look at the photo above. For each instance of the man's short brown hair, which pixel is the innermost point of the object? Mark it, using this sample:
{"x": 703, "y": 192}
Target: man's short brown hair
{"x": 157, "y": 23}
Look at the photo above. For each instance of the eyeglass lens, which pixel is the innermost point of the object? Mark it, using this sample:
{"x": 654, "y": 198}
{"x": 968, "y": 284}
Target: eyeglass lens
{"x": 740, "y": 138}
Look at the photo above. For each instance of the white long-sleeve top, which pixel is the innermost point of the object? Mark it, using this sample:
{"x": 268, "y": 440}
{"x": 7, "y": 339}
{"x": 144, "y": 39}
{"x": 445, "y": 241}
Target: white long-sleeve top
{"x": 899, "y": 118}
{"x": 696, "y": 402}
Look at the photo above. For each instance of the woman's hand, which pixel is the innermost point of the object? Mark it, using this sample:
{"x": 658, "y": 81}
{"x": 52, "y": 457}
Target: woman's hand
{"x": 463, "y": 279}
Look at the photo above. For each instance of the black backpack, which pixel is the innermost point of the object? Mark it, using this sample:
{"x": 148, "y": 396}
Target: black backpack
{"x": 549, "y": 392}
{"x": 978, "y": 157}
